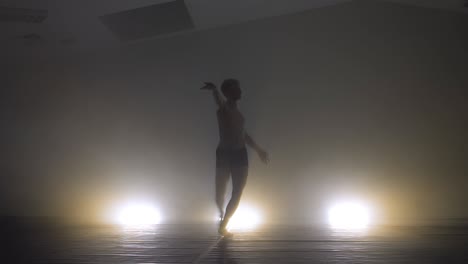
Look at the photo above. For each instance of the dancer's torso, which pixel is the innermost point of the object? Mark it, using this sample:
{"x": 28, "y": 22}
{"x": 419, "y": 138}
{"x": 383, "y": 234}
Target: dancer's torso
{"x": 231, "y": 128}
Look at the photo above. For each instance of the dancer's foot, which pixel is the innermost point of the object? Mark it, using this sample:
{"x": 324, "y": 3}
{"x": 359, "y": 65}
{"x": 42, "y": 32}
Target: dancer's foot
{"x": 224, "y": 232}
{"x": 222, "y": 229}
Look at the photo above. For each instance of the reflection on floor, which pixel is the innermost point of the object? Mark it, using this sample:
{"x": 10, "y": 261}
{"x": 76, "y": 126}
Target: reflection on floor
{"x": 201, "y": 244}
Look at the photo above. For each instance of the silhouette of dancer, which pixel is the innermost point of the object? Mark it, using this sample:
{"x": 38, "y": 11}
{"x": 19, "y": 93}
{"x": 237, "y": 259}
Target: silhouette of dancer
{"x": 231, "y": 153}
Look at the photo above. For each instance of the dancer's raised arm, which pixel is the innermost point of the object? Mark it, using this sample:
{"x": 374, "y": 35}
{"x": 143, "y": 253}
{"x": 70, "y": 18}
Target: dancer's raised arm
{"x": 217, "y": 96}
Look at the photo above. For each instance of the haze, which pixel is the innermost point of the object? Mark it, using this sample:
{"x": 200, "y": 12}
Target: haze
{"x": 363, "y": 100}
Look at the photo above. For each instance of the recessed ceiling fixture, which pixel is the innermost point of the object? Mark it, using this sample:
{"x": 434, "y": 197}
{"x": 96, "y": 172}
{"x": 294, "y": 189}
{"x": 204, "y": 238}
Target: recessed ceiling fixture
{"x": 25, "y": 15}
{"x": 31, "y": 39}
{"x": 149, "y": 21}
{"x": 31, "y": 36}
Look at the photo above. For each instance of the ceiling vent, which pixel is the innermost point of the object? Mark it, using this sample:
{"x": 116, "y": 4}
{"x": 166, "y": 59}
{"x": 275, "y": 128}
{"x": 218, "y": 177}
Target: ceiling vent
{"x": 149, "y": 21}
{"x": 25, "y": 15}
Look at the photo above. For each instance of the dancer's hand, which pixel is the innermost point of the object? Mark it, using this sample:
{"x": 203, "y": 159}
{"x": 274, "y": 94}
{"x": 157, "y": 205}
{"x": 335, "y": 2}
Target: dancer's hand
{"x": 263, "y": 156}
{"x": 208, "y": 86}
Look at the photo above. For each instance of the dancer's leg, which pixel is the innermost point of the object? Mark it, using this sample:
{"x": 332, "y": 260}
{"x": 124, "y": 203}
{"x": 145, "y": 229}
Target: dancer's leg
{"x": 239, "y": 179}
{"x": 222, "y": 178}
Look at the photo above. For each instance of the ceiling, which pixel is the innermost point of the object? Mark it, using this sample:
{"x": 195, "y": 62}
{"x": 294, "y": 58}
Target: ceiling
{"x": 75, "y": 24}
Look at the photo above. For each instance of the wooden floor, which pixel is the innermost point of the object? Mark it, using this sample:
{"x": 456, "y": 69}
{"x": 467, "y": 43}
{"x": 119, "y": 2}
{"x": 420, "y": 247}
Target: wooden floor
{"x": 201, "y": 244}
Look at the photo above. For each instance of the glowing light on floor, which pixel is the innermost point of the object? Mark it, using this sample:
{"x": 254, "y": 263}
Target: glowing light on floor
{"x": 245, "y": 218}
{"x": 137, "y": 215}
{"x": 349, "y": 216}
